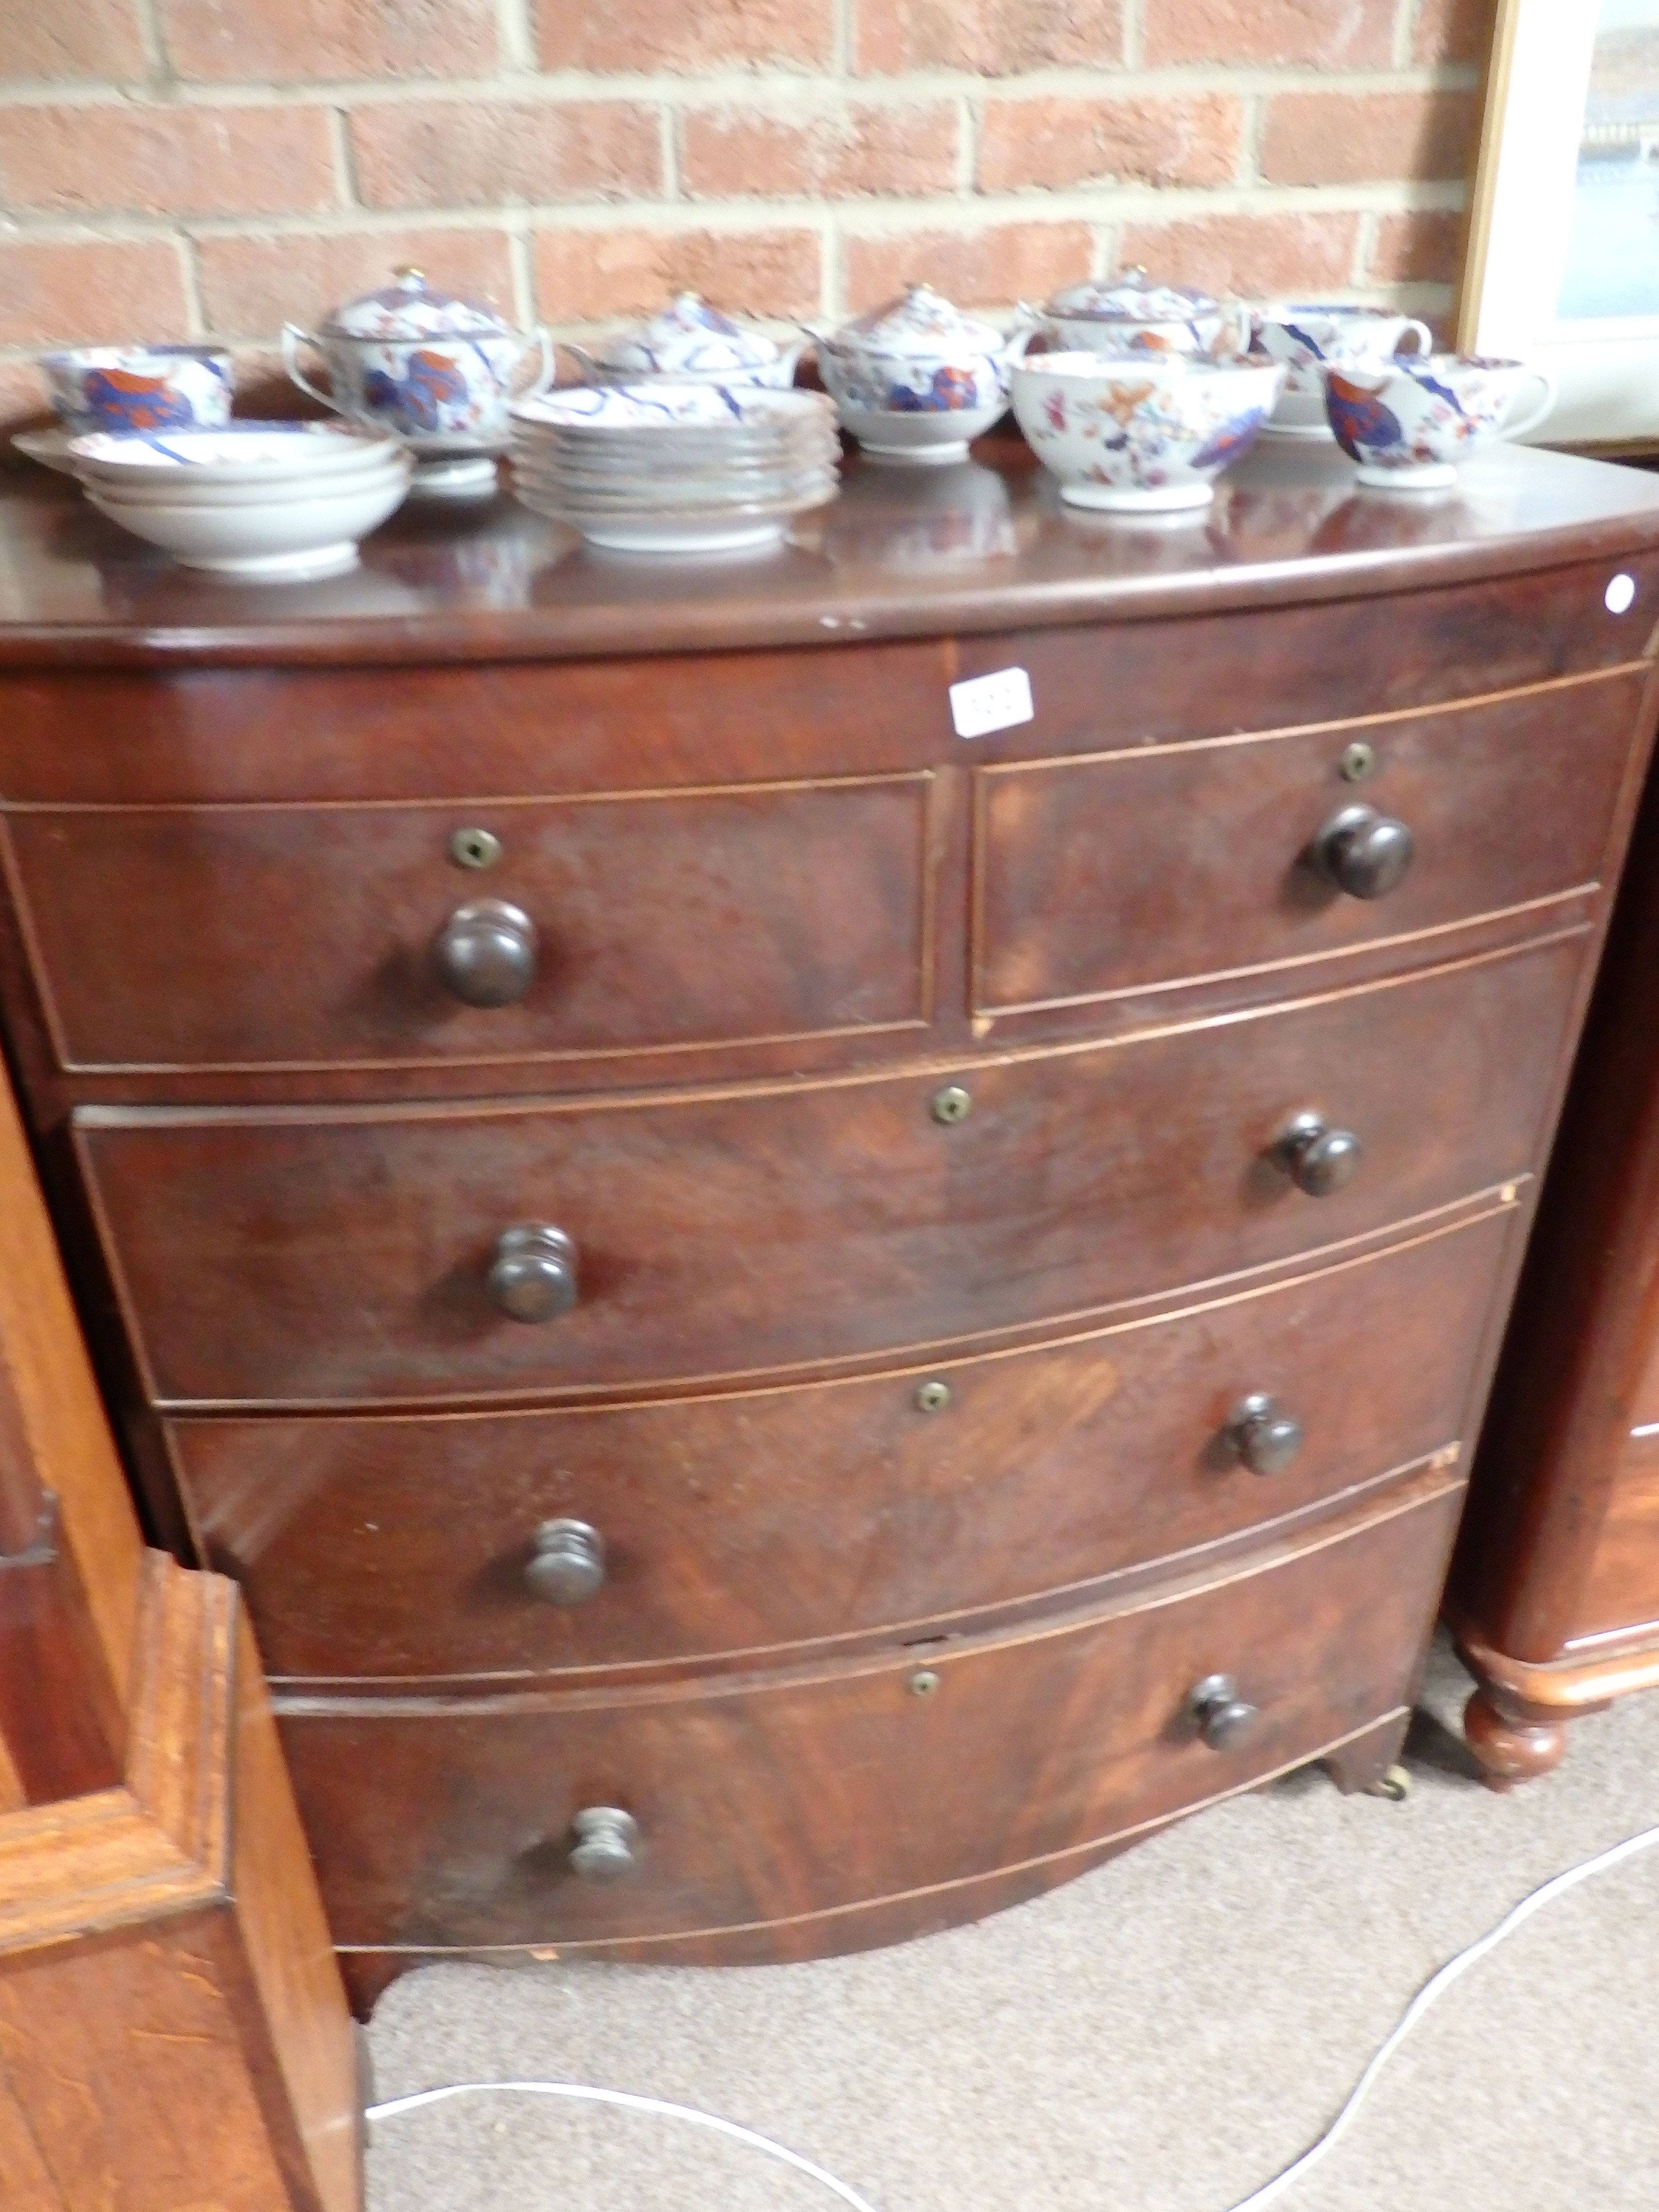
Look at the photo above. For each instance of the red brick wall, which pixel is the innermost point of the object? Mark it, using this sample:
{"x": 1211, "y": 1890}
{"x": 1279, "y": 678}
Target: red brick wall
{"x": 186, "y": 167}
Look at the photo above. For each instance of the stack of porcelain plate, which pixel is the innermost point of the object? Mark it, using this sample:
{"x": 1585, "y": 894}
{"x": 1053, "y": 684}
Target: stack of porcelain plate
{"x": 266, "y": 501}
{"x": 670, "y": 467}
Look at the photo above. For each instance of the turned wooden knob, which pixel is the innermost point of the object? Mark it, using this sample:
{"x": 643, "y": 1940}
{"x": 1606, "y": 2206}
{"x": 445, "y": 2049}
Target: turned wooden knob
{"x": 1223, "y": 1718}
{"x": 533, "y": 1277}
{"x": 1362, "y": 852}
{"x": 1265, "y": 1438}
{"x": 1318, "y": 1159}
{"x": 485, "y": 953}
{"x": 566, "y": 1564}
{"x": 607, "y": 1848}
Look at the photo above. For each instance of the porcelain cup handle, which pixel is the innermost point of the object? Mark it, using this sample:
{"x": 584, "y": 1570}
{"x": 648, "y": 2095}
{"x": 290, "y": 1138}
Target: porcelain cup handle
{"x": 548, "y": 368}
{"x": 1423, "y": 334}
{"x": 1237, "y": 328}
{"x": 1512, "y": 429}
{"x": 293, "y": 339}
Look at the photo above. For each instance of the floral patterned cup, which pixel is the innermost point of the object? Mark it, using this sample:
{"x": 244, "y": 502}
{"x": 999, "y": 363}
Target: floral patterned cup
{"x": 1304, "y": 336}
{"x": 1409, "y": 421}
{"x": 140, "y": 387}
{"x": 1138, "y": 436}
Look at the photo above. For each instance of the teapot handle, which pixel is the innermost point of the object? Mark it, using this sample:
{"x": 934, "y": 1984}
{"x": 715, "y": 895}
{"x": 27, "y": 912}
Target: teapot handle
{"x": 548, "y": 368}
{"x": 1423, "y": 334}
{"x": 1531, "y": 421}
{"x": 293, "y": 339}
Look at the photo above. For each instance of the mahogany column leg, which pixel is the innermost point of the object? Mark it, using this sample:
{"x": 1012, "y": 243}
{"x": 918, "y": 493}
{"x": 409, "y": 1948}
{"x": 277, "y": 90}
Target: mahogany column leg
{"x": 1514, "y": 1742}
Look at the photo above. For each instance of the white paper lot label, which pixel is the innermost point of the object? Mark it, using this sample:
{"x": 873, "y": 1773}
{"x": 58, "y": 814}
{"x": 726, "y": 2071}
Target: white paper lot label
{"x": 996, "y": 701}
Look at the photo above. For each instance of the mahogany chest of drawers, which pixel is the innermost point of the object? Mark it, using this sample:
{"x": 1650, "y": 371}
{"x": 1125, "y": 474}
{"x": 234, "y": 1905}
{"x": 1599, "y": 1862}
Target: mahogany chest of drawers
{"x": 798, "y": 1325}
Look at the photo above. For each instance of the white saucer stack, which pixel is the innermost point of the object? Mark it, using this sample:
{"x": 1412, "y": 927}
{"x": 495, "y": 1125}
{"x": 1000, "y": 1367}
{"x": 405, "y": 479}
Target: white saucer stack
{"x": 264, "y": 501}
{"x": 672, "y": 467}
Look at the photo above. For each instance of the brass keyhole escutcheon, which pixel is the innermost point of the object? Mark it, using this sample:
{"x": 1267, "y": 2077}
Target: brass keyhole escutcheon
{"x": 475, "y": 848}
{"x": 933, "y": 1397}
{"x": 951, "y": 1105}
{"x": 1358, "y": 762}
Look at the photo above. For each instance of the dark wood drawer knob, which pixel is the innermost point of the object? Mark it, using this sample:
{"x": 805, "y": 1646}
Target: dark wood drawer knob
{"x": 566, "y": 1564}
{"x": 1224, "y": 1718}
{"x": 1362, "y": 852}
{"x": 1265, "y": 1437}
{"x": 485, "y": 953}
{"x": 607, "y": 1846}
{"x": 533, "y": 1277}
{"x": 1318, "y": 1159}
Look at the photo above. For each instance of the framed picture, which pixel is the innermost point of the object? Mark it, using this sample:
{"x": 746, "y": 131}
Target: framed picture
{"x": 1563, "y": 262}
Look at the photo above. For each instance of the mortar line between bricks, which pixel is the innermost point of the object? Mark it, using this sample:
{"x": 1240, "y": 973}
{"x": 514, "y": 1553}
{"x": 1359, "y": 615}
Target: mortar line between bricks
{"x": 1413, "y": 296}
{"x": 190, "y": 279}
{"x": 515, "y": 48}
{"x": 1036, "y": 207}
{"x": 345, "y": 162}
{"x": 967, "y": 143}
{"x": 148, "y": 19}
{"x": 1135, "y": 32}
{"x": 1404, "y": 22}
{"x": 759, "y": 87}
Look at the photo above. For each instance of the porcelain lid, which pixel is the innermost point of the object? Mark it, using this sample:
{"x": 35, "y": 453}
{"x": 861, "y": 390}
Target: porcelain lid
{"x": 688, "y": 336}
{"x": 409, "y": 307}
{"x": 920, "y": 322}
{"x": 1132, "y": 297}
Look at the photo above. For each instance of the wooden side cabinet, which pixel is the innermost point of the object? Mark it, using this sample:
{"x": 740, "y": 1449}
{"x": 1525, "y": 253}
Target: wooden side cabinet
{"x": 173, "y": 2034}
{"x": 1555, "y": 1592}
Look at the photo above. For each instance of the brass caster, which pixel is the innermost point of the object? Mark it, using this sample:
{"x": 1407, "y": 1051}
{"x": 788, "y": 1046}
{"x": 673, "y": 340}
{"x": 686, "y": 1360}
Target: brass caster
{"x": 1396, "y": 1785}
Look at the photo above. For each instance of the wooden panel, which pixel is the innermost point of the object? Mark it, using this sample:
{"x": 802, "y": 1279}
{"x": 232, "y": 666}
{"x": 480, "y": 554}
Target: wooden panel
{"x": 1622, "y": 1589}
{"x": 343, "y": 1257}
{"x": 516, "y": 729}
{"x": 125, "y": 2063}
{"x": 685, "y": 918}
{"x": 736, "y": 1525}
{"x": 800, "y": 1795}
{"x": 286, "y": 1956}
{"x": 1098, "y": 878}
{"x": 53, "y": 1430}
{"x": 1645, "y": 1401}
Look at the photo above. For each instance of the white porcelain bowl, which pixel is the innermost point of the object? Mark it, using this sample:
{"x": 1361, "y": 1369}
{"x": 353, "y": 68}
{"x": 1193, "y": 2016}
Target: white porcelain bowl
{"x": 1142, "y": 435}
{"x": 250, "y": 453}
{"x": 264, "y": 539}
{"x": 205, "y": 492}
{"x": 890, "y": 435}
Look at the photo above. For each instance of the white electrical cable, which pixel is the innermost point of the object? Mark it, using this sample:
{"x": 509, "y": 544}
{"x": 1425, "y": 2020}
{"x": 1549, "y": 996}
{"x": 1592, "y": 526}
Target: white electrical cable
{"x": 391, "y": 2109}
{"x": 1437, "y": 1982}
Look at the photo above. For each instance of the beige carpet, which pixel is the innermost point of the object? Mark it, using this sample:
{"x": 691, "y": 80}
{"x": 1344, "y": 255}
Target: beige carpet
{"x": 1160, "y": 2036}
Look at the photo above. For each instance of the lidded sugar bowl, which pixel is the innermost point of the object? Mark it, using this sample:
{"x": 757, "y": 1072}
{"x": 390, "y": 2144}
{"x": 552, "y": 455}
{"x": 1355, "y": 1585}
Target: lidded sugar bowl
{"x": 914, "y": 379}
{"x": 1134, "y": 313}
{"x": 440, "y": 371}
{"x": 688, "y": 339}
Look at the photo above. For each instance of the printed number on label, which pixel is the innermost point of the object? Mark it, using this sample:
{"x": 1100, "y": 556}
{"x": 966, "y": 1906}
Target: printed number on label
{"x": 996, "y": 701}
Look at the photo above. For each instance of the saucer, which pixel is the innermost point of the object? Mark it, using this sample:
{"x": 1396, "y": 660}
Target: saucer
{"x": 49, "y": 448}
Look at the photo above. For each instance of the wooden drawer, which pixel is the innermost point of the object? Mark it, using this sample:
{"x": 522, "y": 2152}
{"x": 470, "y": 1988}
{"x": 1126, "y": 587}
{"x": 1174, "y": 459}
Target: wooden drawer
{"x": 298, "y": 937}
{"x": 852, "y": 705}
{"x": 384, "y": 1549}
{"x": 272, "y": 1258}
{"x": 1101, "y": 876}
{"x": 799, "y": 1798}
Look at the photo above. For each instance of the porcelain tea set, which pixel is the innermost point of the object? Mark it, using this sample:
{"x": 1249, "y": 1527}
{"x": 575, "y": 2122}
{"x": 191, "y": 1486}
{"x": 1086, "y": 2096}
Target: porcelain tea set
{"x": 686, "y": 434}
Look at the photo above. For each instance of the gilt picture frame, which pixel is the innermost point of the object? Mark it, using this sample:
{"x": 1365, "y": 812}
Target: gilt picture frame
{"x": 1562, "y": 266}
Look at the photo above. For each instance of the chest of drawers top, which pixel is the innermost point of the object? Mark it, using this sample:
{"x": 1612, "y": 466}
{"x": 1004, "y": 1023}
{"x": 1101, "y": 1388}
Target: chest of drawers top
{"x": 984, "y": 548}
